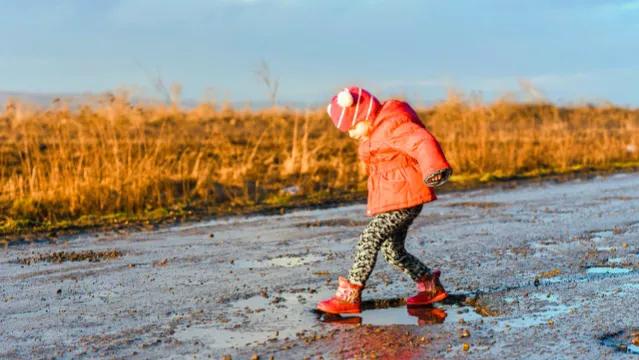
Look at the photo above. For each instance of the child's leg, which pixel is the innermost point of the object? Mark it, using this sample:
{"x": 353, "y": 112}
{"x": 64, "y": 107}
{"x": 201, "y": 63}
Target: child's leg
{"x": 395, "y": 253}
{"x": 379, "y": 229}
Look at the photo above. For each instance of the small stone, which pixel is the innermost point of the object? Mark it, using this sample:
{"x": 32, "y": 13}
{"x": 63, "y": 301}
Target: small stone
{"x": 466, "y": 347}
{"x": 551, "y": 323}
{"x": 255, "y": 357}
{"x": 160, "y": 263}
{"x": 464, "y": 333}
{"x": 264, "y": 293}
{"x": 59, "y": 291}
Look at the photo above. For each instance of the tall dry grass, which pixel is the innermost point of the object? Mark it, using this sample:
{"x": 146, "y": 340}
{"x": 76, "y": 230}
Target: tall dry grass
{"x": 61, "y": 164}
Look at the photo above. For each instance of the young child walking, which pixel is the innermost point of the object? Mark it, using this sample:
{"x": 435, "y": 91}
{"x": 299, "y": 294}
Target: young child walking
{"x": 404, "y": 163}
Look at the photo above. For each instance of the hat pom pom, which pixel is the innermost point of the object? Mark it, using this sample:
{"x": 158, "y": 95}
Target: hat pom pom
{"x": 344, "y": 98}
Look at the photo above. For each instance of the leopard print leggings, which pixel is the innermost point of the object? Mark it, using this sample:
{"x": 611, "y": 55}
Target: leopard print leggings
{"x": 387, "y": 231}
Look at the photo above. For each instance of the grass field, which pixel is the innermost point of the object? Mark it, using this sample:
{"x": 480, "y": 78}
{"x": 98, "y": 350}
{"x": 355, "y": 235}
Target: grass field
{"x": 113, "y": 162}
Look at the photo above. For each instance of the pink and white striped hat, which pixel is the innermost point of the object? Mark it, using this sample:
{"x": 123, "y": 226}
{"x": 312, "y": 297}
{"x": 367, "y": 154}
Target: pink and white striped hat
{"x": 352, "y": 105}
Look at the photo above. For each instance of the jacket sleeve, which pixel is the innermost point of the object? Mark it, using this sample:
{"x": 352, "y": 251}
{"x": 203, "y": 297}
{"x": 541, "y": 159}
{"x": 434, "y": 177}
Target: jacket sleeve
{"x": 418, "y": 143}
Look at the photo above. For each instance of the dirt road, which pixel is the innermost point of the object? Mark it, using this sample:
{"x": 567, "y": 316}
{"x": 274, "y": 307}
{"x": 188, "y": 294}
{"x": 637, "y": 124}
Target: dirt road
{"x": 538, "y": 271}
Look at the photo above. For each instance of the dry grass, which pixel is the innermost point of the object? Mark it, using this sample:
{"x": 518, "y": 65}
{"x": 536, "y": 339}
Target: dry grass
{"x": 113, "y": 160}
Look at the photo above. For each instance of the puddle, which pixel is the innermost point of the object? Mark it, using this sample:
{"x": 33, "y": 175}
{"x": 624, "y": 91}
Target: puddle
{"x": 628, "y": 259}
{"x": 282, "y": 261}
{"x": 538, "y": 296}
{"x": 616, "y": 260}
{"x": 607, "y": 271}
{"x": 606, "y": 248}
{"x": 403, "y": 315}
{"x": 510, "y": 299}
{"x": 545, "y": 297}
{"x": 623, "y": 341}
{"x": 420, "y": 315}
{"x": 64, "y": 256}
{"x": 595, "y": 272}
{"x": 387, "y": 312}
{"x": 601, "y": 235}
{"x": 631, "y": 286}
{"x": 232, "y": 333}
{"x": 380, "y": 313}
{"x": 534, "y": 319}
{"x": 225, "y": 338}
{"x": 260, "y": 303}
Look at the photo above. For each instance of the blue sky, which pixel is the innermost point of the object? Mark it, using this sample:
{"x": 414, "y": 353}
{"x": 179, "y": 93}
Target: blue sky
{"x": 566, "y": 51}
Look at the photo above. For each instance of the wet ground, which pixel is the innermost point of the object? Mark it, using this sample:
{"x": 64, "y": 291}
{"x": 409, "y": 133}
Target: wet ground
{"x": 539, "y": 271}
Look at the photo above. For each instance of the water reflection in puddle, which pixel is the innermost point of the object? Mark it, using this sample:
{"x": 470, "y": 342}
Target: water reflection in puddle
{"x": 403, "y": 315}
{"x": 607, "y": 271}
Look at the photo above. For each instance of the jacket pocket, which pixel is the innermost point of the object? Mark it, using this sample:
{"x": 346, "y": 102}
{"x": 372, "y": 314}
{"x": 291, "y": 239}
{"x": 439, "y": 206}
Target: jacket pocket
{"x": 395, "y": 175}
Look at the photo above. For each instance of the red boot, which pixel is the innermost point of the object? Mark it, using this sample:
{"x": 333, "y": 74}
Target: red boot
{"x": 347, "y": 299}
{"x": 430, "y": 290}
{"x": 427, "y": 315}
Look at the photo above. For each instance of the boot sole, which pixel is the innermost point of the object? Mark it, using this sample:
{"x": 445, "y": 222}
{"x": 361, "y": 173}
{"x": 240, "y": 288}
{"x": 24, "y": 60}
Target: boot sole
{"x": 437, "y": 298}
{"x": 356, "y": 311}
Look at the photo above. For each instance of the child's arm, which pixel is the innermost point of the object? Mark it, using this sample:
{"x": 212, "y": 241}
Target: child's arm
{"x": 417, "y": 142}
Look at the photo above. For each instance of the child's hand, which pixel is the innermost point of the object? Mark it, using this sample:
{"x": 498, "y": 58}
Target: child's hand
{"x": 438, "y": 178}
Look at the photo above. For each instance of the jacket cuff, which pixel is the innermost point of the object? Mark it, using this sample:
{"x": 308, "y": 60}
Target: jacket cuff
{"x": 445, "y": 175}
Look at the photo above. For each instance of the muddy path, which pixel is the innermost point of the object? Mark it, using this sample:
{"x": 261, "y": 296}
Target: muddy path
{"x": 538, "y": 271}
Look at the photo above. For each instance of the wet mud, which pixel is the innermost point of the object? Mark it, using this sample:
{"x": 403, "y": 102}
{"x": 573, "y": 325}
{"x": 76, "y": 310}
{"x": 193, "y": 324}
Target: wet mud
{"x": 64, "y": 256}
{"x": 547, "y": 270}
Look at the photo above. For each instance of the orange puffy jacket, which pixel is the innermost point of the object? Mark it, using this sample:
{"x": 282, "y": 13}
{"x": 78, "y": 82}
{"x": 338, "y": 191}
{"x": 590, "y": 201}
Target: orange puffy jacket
{"x": 399, "y": 153}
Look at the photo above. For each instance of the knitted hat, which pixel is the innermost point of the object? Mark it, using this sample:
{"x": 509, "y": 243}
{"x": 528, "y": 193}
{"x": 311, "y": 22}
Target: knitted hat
{"x": 351, "y": 106}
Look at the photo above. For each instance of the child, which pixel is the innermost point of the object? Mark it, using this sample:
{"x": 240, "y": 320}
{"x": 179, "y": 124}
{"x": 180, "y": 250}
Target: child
{"x": 404, "y": 163}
